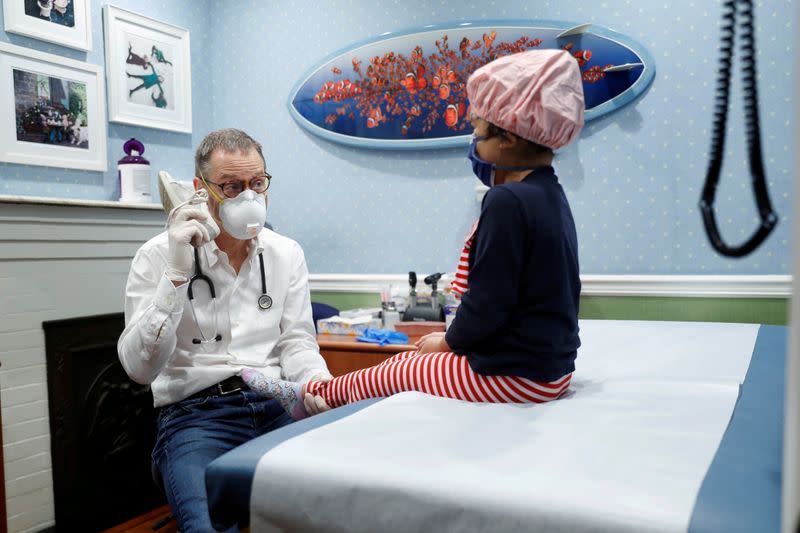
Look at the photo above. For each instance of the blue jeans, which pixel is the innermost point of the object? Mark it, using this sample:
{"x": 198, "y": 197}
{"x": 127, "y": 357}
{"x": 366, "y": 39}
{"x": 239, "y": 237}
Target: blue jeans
{"x": 194, "y": 432}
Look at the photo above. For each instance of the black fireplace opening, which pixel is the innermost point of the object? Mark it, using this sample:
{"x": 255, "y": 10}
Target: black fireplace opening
{"x": 102, "y": 427}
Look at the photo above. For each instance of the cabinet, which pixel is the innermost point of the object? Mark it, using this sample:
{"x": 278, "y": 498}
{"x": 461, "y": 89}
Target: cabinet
{"x": 344, "y": 354}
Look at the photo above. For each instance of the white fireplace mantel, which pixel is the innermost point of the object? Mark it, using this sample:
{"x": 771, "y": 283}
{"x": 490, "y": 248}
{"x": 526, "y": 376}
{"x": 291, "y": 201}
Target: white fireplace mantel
{"x": 44, "y": 200}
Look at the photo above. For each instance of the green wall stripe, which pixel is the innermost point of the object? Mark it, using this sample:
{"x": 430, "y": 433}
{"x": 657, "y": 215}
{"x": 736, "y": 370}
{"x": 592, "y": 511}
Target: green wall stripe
{"x": 746, "y": 310}
{"x": 347, "y": 300}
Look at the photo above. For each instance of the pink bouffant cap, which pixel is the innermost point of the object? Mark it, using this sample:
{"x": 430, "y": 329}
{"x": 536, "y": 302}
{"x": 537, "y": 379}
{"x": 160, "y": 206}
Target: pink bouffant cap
{"x": 537, "y": 95}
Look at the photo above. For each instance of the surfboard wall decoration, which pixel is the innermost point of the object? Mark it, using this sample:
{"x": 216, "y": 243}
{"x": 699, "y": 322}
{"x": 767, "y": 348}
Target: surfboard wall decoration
{"x": 407, "y": 90}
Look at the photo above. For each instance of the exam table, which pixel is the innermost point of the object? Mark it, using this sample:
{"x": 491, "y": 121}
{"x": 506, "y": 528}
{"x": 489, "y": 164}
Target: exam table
{"x": 670, "y": 426}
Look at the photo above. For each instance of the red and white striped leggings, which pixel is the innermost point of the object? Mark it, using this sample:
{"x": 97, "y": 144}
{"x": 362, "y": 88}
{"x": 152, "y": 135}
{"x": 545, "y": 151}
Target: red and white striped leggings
{"x": 440, "y": 374}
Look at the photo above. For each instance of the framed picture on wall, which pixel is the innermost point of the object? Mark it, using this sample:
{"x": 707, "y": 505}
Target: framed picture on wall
{"x": 149, "y": 71}
{"x": 54, "y": 109}
{"x": 64, "y": 22}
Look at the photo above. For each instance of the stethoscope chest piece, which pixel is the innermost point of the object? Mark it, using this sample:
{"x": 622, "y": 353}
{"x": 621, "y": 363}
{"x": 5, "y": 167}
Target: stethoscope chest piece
{"x": 264, "y": 301}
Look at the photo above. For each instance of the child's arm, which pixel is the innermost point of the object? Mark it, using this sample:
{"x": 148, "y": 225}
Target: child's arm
{"x": 499, "y": 253}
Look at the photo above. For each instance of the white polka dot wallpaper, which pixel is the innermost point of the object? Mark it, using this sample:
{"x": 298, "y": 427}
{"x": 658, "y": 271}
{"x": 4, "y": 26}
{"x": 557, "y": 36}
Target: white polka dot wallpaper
{"x": 633, "y": 178}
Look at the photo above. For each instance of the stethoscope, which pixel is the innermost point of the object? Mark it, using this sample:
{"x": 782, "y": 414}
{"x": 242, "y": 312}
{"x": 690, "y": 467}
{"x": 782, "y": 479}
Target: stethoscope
{"x": 264, "y": 301}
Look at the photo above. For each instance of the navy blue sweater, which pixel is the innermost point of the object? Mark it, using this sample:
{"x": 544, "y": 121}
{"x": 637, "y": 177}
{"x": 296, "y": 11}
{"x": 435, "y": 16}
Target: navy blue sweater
{"x": 519, "y": 316}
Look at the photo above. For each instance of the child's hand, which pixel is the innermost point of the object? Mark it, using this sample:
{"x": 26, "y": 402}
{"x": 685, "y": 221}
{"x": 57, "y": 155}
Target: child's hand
{"x": 427, "y": 337}
{"x": 432, "y": 342}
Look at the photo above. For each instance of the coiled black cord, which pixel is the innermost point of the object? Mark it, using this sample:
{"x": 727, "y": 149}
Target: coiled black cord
{"x": 768, "y": 217}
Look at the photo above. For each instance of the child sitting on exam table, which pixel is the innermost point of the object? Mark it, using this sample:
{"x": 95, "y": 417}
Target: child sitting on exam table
{"x": 514, "y": 337}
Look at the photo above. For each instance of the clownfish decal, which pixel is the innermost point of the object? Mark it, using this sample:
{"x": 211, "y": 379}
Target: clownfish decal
{"x": 451, "y": 115}
{"x": 583, "y": 57}
{"x": 417, "y": 89}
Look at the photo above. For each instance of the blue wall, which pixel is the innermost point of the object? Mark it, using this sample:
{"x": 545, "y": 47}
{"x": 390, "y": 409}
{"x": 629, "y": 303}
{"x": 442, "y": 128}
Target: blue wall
{"x": 165, "y": 150}
{"x": 633, "y": 178}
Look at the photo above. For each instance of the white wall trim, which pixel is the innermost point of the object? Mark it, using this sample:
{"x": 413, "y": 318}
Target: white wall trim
{"x": 703, "y": 286}
{"x": 75, "y": 202}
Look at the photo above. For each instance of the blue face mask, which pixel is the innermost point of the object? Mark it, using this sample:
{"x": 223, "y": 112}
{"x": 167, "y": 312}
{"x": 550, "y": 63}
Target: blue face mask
{"x": 484, "y": 170}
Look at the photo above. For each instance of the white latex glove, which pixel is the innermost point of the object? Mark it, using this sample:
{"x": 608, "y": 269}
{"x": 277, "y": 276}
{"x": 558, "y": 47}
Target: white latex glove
{"x": 316, "y": 404}
{"x": 185, "y": 230}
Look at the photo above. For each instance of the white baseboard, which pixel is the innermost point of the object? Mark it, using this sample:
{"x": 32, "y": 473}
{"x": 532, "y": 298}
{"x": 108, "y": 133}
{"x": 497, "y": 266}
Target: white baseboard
{"x": 711, "y": 286}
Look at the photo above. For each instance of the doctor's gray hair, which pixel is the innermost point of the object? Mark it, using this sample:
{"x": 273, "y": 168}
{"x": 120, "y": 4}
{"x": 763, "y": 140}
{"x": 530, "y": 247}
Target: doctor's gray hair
{"x": 227, "y": 140}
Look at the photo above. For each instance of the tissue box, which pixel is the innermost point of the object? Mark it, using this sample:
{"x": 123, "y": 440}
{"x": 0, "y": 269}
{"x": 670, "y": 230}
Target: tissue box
{"x": 374, "y": 312}
{"x": 337, "y": 325}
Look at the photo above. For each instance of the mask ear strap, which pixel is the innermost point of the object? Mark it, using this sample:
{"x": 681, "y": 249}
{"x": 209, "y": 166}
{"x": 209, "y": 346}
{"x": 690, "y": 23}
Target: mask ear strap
{"x": 523, "y": 167}
{"x": 210, "y": 190}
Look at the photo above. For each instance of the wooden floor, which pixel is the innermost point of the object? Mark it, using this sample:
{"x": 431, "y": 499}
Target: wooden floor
{"x": 147, "y": 522}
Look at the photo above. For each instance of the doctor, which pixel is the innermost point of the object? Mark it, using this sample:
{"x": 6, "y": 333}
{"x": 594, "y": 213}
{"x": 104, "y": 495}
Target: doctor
{"x": 191, "y": 327}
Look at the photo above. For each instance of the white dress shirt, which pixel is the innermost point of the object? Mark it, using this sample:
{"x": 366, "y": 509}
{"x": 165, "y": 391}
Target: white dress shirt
{"x": 156, "y": 347}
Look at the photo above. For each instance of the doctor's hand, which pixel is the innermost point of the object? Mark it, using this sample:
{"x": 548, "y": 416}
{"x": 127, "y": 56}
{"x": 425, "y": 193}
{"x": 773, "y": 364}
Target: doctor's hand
{"x": 185, "y": 230}
{"x": 432, "y": 342}
{"x": 316, "y": 404}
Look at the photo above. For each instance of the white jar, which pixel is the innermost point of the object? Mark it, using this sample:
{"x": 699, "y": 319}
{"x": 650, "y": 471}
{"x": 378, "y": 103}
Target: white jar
{"x": 450, "y": 314}
{"x": 390, "y": 318}
{"x": 134, "y": 174}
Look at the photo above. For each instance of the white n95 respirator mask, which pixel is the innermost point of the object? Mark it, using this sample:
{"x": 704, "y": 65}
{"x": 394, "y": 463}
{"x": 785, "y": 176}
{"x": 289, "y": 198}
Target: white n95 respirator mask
{"x": 245, "y": 215}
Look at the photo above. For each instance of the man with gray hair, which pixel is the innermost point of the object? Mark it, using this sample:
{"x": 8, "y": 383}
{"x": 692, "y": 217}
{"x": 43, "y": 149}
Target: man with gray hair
{"x": 214, "y": 293}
